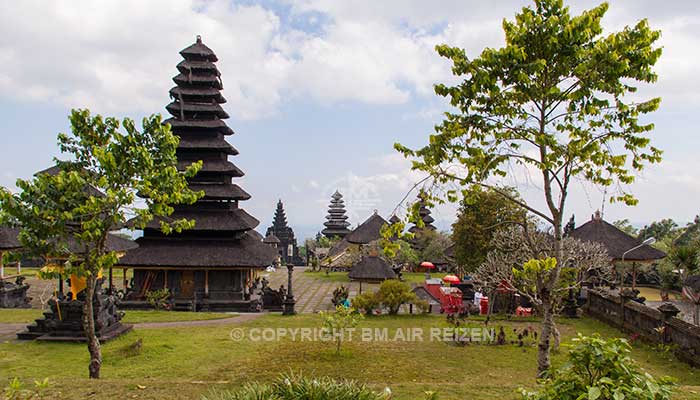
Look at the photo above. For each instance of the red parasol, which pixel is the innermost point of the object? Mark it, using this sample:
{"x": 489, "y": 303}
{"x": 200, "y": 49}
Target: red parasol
{"x": 450, "y": 279}
{"x": 427, "y": 264}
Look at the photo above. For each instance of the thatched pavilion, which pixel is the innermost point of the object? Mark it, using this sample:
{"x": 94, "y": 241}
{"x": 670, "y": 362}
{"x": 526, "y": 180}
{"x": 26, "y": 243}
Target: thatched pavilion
{"x": 620, "y": 246}
{"x": 213, "y": 265}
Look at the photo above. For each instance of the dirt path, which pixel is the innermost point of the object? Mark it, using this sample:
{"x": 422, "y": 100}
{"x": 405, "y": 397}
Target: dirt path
{"x": 208, "y": 322}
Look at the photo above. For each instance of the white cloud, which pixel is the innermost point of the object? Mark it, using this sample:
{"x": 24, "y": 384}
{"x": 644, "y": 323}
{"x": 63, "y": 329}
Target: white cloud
{"x": 118, "y": 56}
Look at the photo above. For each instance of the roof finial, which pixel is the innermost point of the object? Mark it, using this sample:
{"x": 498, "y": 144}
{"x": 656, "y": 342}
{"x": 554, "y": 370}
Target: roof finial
{"x": 597, "y": 216}
{"x": 199, "y": 39}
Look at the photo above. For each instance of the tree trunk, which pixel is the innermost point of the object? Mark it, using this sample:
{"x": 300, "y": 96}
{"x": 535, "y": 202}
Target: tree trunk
{"x": 89, "y": 327}
{"x": 543, "y": 348}
{"x": 556, "y": 336}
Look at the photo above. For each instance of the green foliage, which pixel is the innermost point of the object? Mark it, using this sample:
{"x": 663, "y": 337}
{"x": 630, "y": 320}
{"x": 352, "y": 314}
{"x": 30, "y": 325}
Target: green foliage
{"x": 325, "y": 242}
{"x": 55, "y": 210}
{"x": 625, "y": 226}
{"x": 660, "y": 230}
{"x": 393, "y": 293}
{"x": 336, "y": 324}
{"x": 481, "y": 213}
{"x": 556, "y": 99}
{"x": 159, "y": 299}
{"x": 558, "y": 87}
{"x": 15, "y": 390}
{"x": 401, "y": 253}
{"x": 299, "y": 387}
{"x": 432, "y": 245}
{"x": 601, "y": 369}
{"x": 68, "y": 215}
{"x": 366, "y": 302}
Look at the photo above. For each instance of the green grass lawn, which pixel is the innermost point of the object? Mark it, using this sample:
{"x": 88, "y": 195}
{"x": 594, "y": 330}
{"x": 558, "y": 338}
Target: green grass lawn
{"x": 184, "y": 363}
{"x": 14, "y": 315}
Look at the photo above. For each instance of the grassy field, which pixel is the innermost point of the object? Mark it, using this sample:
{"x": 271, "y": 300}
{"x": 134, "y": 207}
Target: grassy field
{"x": 184, "y": 363}
{"x": 9, "y": 315}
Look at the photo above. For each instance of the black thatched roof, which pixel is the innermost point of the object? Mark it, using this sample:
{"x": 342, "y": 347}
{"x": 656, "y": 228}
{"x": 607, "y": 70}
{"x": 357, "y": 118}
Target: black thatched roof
{"x": 615, "y": 241}
{"x": 185, "y": 126}
{"x": 223, "y": 234}
{"x": 198, "y": 51}
{"x": 221, "y": 191}
{"x": 207, "y": 143}
{"x": 371, "y": 269}
{"x": 246, "y": 252}
{"x": 233, "y": 220}
{"x": 337, "y": 224}
{"x": 9, "y": 241}
{"x": 8, "y": 238}
{"x": 271, "y": 239}
{"x": 368, "y": 231}
{"x": 219, "y": 167}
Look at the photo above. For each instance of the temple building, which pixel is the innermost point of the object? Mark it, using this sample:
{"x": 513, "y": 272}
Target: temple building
{"x": 212, "y": 266}
{"x": 417, "y": 231}
{"x": 285, "y": 235}
{"x": 337, "y": 224}
{"x": 344, "y": 254}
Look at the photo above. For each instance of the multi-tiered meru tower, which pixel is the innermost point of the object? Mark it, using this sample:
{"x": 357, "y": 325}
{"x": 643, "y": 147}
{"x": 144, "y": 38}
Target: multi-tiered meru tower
{"x": 424, "y": 213}
{"x": 285, "y": 234}
{"x": 337, "y": 224}
{"x": 213, "y": 265}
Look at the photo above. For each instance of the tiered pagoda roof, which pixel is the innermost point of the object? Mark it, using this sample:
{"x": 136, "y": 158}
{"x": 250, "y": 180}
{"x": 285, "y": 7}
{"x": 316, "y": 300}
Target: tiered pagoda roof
{"x": 337, "y": 224}
{"x": 279, "y": 227}
{"x": 223, "y": 234}
{"x": 424, "y": 214}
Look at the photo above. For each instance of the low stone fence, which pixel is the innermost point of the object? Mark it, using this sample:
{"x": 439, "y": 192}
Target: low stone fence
{"x": 654, "y": 325}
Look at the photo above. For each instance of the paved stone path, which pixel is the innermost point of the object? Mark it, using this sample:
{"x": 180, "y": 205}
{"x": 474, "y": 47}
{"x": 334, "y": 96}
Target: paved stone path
{"x": 312, "y": 294}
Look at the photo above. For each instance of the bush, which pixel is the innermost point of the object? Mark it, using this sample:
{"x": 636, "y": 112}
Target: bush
{"x": 298, "y": 387}
{"x": 159, "y": 299}
{"x": 366, "y": 302}
{"x": 599, "y": 369}
{"x": 392, "y": 294}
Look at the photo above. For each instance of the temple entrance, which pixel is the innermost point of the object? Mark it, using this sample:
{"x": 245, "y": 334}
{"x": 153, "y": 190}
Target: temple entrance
{"x": 186, "y": 284}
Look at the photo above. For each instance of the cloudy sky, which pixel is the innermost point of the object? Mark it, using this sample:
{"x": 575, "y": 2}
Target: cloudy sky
{"x": 318, "y": 91}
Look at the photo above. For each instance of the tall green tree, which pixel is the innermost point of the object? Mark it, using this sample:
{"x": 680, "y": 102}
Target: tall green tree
{"x": 481, "y": 213}
{"x": 554, "y": 101}
{"x": 659, "y": 230}
{"x": 54, "y": 210}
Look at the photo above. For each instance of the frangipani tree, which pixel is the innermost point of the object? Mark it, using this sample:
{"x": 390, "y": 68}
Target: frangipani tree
{"x": 522, "y": 257}
{"x": 93, "y": 193}
{"x": 557, "y": 101}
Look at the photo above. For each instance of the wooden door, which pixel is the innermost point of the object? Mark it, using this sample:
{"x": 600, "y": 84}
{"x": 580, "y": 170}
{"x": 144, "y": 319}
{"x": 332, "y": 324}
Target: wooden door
{"x": 187, "y": 284}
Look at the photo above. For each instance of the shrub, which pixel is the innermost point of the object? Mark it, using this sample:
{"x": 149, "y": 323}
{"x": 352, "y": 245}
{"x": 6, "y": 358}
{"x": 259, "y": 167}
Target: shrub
{"x": 298, "y": 387}
{"x": 366, "y": 302}
{"x": 392, "y": 294}
{"x": 159, "y": 299}
{"x": 599, "y": 369}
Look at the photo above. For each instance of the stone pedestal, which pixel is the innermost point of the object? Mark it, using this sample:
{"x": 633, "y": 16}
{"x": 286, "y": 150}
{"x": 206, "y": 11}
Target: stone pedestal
{"x": 64, "y": 320}
{"x": 14, "y": 294}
